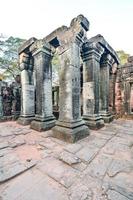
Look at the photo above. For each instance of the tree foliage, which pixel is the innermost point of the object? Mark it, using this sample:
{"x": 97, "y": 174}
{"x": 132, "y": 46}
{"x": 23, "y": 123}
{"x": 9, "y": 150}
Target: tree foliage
{"x": 9, "y": 56}
{"x": 122, "y": 56}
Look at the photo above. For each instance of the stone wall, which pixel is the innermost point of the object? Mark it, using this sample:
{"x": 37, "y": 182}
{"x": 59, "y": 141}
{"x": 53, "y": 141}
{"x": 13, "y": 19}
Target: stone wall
{"x": 124, "y": 89}
{"x": 10, "y": 103}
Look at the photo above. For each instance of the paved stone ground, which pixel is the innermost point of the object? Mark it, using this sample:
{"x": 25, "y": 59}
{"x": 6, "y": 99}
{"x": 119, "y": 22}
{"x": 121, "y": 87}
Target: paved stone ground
{"x": 36, "y": 166}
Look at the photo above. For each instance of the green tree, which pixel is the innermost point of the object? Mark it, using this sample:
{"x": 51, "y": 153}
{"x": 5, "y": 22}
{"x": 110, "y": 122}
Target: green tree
{"x": 122, "y": 56}
{"x": 9, "y": 56}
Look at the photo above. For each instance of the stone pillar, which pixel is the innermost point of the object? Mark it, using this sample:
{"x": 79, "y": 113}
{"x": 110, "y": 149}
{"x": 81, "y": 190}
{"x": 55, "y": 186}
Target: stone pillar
{"x": 112, "y": 89}
{"x": 91, "y": 74}
{"x": 106, "y": 64}
{"x": 70, "y": 126}
{"x": 119, "y": 89}
{"x": 1, "y": 101}
{"x": 44, "y": 118}
{"x": 27, "y": 90}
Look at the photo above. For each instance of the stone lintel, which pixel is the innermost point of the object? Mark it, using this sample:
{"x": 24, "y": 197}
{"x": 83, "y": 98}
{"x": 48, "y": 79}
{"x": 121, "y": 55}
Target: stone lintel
{"x": 26, "y": 45}
{"x": 91, "y": 51}
{"x": 100, "y": 39}
{"x": 40, "y": 46}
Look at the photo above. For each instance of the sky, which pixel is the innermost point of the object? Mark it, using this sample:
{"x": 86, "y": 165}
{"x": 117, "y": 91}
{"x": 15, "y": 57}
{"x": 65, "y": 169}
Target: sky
{"x": 37, "y": 18}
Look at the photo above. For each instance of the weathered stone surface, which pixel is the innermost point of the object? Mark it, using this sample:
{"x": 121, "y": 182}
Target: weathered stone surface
{"x": 47, "y": 143}
{"x": 5, "y": 151}
{"x": 3, "y": 145}
{"x": 16, "y": 142}
{"x": 73, "y": 148}
{"x": 98, "y": 167}
{"x": 8, "y": 172}
{"x": 97, "y": 142}
{"x": 121, "y": 183}
{"x": 118, "y": 166}
{"x": 38, "y": 185}
{"x": 87, "y": 154}
{"x": 69, "y": 158}
{"x": 104, "y": 172}
{"x": 60, "y": 172}
{"x": 113, "y": 195}
{"x": 80, "y": 192}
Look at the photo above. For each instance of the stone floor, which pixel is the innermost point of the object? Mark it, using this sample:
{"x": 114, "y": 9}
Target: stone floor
{"x": 36, "y": 166}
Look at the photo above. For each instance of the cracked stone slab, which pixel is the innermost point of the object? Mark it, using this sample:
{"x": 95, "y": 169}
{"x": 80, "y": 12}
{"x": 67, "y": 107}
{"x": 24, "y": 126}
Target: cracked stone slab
{"x": 118, "y": 166}
{"x": 87, "y": 154}
{"x": 3, "y": 145}
{"x": 21, "y": 132}
{"x": 80, "y": 166}
{"x": 113, "y": 195}
{"x": 102, "y": 136}
{"x": 94, "y": 185}
{"x": 47, "y": 143}
{"x": 99, "y": 166}
{"x": 57, "y": 170}
{"x": 121, "y": 183}
{"x": 46, "y": 153}
{"x": 98, "y": 142}
{"x": 69, "y": 158}
{"x": 33, "y": 185}
{"x": 16, "y": 142}
{"x": 8, "y": 160}
{"x": 7, "y": 172}
{"x": 122, "y": 141}
{"x": 5, "y": 151}
{"x": 73, "y": 148}
{"x": 80, "y": 192}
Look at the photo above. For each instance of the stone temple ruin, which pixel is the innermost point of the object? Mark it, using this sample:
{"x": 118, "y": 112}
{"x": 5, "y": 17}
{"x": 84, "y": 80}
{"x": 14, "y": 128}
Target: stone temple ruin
{"x": 103, "y": 89}
{"x": 10, "y": 99}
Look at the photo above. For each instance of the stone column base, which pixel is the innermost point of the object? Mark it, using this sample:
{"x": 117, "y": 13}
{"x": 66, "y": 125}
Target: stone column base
{"x": 39, "y": 124}
{"x": 107, "y": 117}
{"x": 94, "y": 122}
{"x": 70, "y": 132}
{"x": 25, "y": 120}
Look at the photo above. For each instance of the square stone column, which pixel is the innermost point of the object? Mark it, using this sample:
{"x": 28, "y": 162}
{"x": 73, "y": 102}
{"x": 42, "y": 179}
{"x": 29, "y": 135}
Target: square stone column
{"x": 91, "y": 75}
{"x": 112, "y": 83}
{"x": 44, "y": 118}
{"x": 27, "y": 90}
{"x": 106, "y": 64}
{"x": 70, "y": 126}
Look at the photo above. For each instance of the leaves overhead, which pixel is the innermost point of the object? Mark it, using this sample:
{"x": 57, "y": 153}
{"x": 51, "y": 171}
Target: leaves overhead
{"x": 122, "y": 56}
{"x": 9, "y": 56}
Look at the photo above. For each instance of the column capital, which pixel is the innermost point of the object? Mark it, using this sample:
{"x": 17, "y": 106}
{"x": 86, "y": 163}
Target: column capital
{"x": 41, "y": 47}
{"x": 23, "y": 61}
{"x": 92, "y": 51}
{"x": 108, "y": 60}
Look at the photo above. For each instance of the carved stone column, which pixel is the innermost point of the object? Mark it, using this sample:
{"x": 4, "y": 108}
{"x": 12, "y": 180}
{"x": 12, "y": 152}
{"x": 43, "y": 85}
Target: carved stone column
{"x": 106, "y": 64}
{"x": 27, "y": 90}
{"x": 91, "y": 73}
{"x": 112, "y": 83}
{"x": 70, "y": 126}
{"x": 44, "y": 118}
